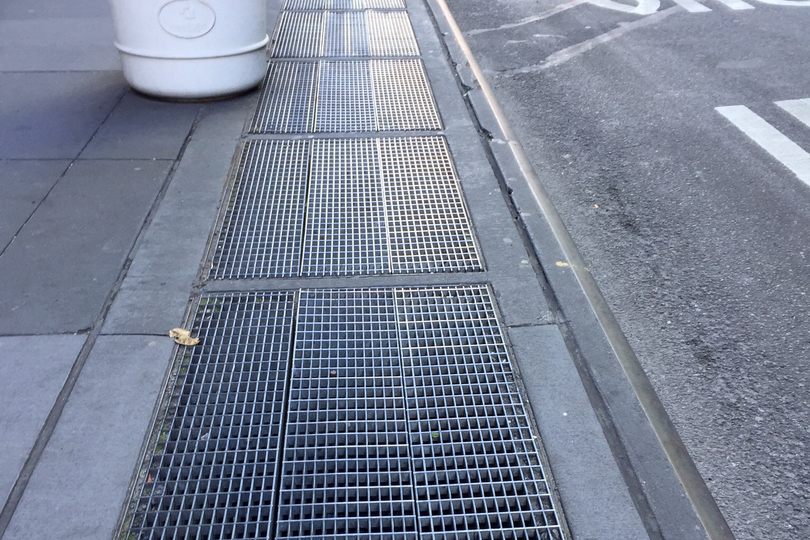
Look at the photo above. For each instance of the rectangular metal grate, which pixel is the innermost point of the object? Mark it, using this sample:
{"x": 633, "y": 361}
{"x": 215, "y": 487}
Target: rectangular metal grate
{"x": 403, "y": 97}
{"x": 353, "y": 96}
{"x": 287, "y": 100}
{"x": 346, "y": 468}
{"x": 264, "y": 221}
{"x": 299, "y": 34}
{"x": 476, "y": 461}
{"x": 359, "y": 206}
{"x": 345, "y": 98}
{"x": 344, "y": 413}
{"x": 346, "y": 231}
{"x": 344, "y": 4}
{"x": 210, "y": 471}
{"x": 429, "y": 227}
{"x": 313, "y": 34}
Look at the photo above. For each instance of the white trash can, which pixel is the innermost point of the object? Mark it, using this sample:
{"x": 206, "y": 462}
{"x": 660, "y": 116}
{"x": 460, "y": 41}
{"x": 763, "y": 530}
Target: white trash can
{"x": 191, "y": 49}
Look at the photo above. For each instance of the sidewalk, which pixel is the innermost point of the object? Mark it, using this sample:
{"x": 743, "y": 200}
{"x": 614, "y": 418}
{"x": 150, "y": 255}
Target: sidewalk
{"x": 377, "y": 351}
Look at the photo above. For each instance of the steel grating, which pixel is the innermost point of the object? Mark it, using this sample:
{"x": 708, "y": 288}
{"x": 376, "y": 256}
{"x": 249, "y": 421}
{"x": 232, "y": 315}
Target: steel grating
{"x": 299, "y": 34}
{"x": 313, "y": 34}
{"x": 210, "y": 471}
{"x": 287, "y": 100}
{"x": 346, "y": 469}
{"x": 346, "y": 230}
{"x": 331, "y": 207}
{"x": 344, "y": 4}
{"x": 476, "y": 462}
{"x": 344, "y": 413}
{"x": 429, "y": 227}
{"x": 261, "y": 231}
{"x": 352, "y": 96}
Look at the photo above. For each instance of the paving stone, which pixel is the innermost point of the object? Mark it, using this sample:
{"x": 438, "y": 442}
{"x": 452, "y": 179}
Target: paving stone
{"x": 33, "y": 370}
{"x": 23, "y": 184}
{"x": 142, "y": 128}
{"x": 54, "y": 115}
{"x": 61, "y": 267}
{"x": 80, "y": 484}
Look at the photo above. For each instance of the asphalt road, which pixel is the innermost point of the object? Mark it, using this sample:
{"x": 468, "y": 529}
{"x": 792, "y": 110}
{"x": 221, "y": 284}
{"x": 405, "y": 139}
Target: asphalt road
{"x": 698, "y": 237}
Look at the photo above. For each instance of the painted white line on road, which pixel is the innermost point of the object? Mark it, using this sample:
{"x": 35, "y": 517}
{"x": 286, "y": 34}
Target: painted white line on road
{"x": 564, "y": 55}
{"x": 790, "y": 154}
{"x": 799, "y": 108}
{"x": 692, "y": 6}
{"x": 528, "y": 20}
{"x": 736, "y": 5}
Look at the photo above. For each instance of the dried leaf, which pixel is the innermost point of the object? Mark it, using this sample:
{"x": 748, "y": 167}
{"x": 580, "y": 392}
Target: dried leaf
{"x": 181, "y": 336}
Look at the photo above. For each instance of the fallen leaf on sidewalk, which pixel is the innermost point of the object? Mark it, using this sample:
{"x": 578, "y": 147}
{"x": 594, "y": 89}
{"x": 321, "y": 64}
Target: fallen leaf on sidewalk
{"x": 181, "y": 336}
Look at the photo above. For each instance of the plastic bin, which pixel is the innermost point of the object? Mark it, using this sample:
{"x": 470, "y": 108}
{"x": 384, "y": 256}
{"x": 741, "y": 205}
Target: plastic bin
{"x": 191, "y": 49}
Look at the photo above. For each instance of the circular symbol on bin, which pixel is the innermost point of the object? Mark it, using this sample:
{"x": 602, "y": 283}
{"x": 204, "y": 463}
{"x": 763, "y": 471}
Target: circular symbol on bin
{"x": 187, "y": 19}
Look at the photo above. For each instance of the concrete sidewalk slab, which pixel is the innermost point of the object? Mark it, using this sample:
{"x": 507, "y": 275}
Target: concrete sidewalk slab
{"x": 142, "y": 128}
{"x": 81, "y": 482}
{"x": 32, "y": 373}
{"x": 34, "y": 9}
{"x": 58, "y": 272}
{"x": 54, "y": 115}
{"x": 155, "y": 293}
{"x": 23, "y": 185}
{"x": 593, "y": 492}
{"x": 65, "y": 44}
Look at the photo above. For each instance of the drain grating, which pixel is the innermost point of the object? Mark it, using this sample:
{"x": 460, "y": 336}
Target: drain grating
{"x": 475, "y": 459}
{"x": 346, "y": 231}
{"x": 287, "y": 100}
{"x": 312, "y": 34}
{"x": 428, "y": 223}
{"x": 344, "y": 4}
{"x": 373, "y": 206}
{"x": 353, "y": 96}
{"x": 345, "y": 413}
{"x": 261, "y": 231}
{"x": 211, "y": 469}
{"x": 346, "y": 471}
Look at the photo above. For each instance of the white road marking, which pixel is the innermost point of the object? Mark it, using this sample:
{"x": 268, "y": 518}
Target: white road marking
{"x": 736, "y": 5}
{"x": 773, "y": 141}
{"x": 791, "y": 3}
{"x": 643, "y": 7}
{"x": 528, "y": 20}
{"x": 692, "y": 6}
{"x": 799, "y": 108}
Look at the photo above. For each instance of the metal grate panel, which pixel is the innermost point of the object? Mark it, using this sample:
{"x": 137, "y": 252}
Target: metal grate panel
{"x": 346, "y": 98}
{"x": 475, "y": 459}
{"x": 403, "y": 97}
{"x": 346, "y": 471}
{"x": 344, "y": 4}
{"x": 264, "y": 221}
{"x": 346, "y": 232}
{"x": 429, "y": 228}
{"x": 358, "y": 206}
{"x": 299, "y": 34}
{"x": 211, "y": 468}
{"x": 353, "y": 96}
{"x": 347, "y": 34}
{"x": 390, "y": 34}
{"x": 287, "y": 100}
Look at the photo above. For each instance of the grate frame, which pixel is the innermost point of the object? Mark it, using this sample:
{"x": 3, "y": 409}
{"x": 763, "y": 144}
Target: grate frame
{"x": 210, "y": 468}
